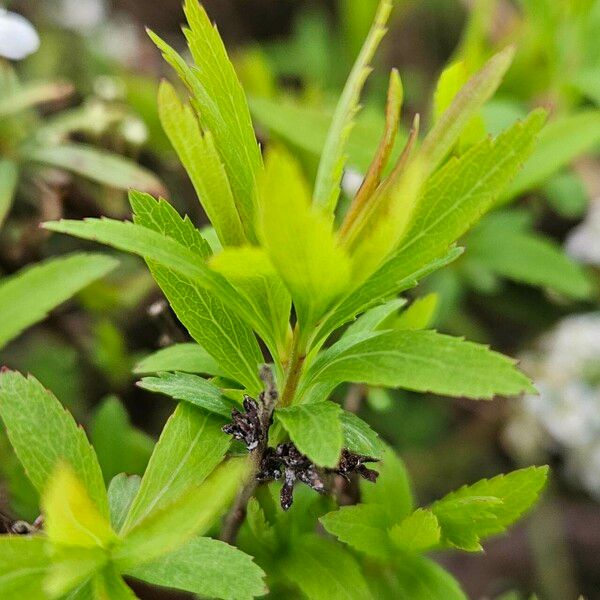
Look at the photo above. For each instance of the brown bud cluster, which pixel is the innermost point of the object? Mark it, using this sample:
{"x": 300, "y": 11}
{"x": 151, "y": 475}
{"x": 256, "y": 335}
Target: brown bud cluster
{"x": 286, "y": 461}
{"x": 247, "y": 426}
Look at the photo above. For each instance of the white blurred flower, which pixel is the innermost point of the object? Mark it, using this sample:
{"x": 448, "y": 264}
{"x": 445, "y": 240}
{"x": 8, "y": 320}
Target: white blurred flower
{"x": 583, "y": 243}
{"x": 583, "y": 465}
{"x": 120, "y": 39}
{"x": 110, "y": 88}
{"x": 81, "y": 15}
{"x": 134, "y": 130}
{"x": 18, "y": 37}
{"x": 565, "y": 416}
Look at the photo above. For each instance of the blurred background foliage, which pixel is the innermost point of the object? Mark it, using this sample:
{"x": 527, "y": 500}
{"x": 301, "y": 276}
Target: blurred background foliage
{"x": 79, "y": 125}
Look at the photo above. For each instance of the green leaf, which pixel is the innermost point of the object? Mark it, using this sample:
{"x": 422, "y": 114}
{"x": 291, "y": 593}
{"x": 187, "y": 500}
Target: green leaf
{"x": 418, "y": 578}
{"x": 219, "y": 100}
{"x": 109, "y": 585}
{"x": 464, "y": 189}
{"x": 226, "y": 329}
{"x": 567, "y": 195}
{"x": 417, "y": 532}
{"x": 170, "y": 526}
{"x": 364, "y": 527}
{"x": 84, "y": 591}
{"x": 373, "y": 319}
{"x": 423, "y": 361}
{"x": 190, "y": 447}
{"x": 97, "y": 165}
{"x": 122, "y": 491}
{"x": 323, "y": 570}
{"x": 250, "y": 271}
{"x": 331, "y": 166}
{"x": 257, "y": 533}
{"x": 182, "y": 261}
{"x": 189, "y": 388}
{"x": 203, "y": 164}
{"x": 160, "y": 216}
{"x": 359, "y": 437}
{"x": 466, "y": 104}
{"x": 24, "y": 563}
{"x": 207, "y": 567}
{"x": 487, "y": 507}
{"x": 377, "y": 232}
{"x": 28, "y": 296}
{"x": 32, "y": 94}
{"x": 9, "y": 178}
{"x": 419, "y": 315}
{"x": 205, "y": 312}
{"x": 44, "y": 434}
{"x": 392, "y": 491}
{"x": 71, "y": 569}
{"x": 108, "y": 433}
{"x": 119, "y": 446}
{"x": 399, "y": 273}
{"x": 299, "y": 240}
{"x": 316, "y": 430}
{"x": 559, "y": 144}
{"x": 70, "y": 516}
{"x": 188, "y": 358}
{"x": 528, "y": 258}
{"x": 452, "y": 79}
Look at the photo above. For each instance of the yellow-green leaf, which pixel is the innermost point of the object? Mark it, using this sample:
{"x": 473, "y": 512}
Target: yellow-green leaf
{"x": 419, "y": 315}
{"x": 480, "y": 88}
{"x": 72, "y": 567}
{"x": 331, "y": 166}
{"x": 71, "y": 518}
{"x": 299, "y": 240}
{"x": 24, "y": 563}
{"x": 167, "y": 529}
{"x": 203, "y": 164}
{"x": 449, "y": 84}
{"x": 250, "y": 271}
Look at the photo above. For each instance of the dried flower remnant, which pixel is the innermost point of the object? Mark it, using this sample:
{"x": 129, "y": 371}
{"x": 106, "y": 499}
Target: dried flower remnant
{"x": 287, "y": 461}
{"x": 246, "y": 427}
{"x": 355, "y": 463}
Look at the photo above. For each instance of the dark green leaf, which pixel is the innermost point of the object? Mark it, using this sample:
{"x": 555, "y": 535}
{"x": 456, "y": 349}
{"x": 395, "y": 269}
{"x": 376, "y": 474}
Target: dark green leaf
{"x": 190, "y": 388}
{"x": 316, "y": 430}
{"x": 28, "y": 296}
{"x": 206, "y": 567}
{"x": 187, "y": 358}
{"x": 44, "y": 434}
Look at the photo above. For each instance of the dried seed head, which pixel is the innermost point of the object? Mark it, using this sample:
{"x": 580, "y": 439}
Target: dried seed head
{"x": 270, "y": 466}
{"x": 355, "y": 463}
{"x": 246, "y": 427}
{"x": 287, "y": 461}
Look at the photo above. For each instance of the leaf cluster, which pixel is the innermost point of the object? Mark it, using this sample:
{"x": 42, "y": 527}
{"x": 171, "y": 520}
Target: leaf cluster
{"x": 293, "y": 279}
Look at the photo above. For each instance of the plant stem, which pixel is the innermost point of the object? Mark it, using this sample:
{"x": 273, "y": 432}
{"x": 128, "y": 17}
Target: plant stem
{"x": 237, "y": 514}
{"x": 294, "y": 368}
{"x": 235, "y": 517}
{"x": 269, "y": 398}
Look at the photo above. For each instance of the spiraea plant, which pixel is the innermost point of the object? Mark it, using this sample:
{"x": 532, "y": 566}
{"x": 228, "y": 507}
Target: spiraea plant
{"x": 290, "y": 297}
